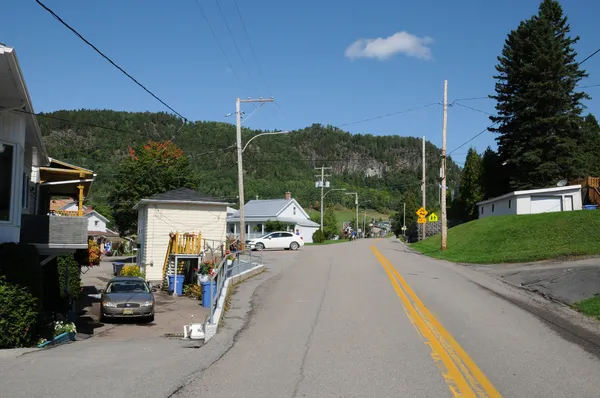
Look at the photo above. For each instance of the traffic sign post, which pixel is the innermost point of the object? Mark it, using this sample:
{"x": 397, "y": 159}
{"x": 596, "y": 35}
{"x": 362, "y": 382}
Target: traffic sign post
{"x": 433, "y": 217}
{"x": 421, "y": 212}
{"x": 421, "y": 220}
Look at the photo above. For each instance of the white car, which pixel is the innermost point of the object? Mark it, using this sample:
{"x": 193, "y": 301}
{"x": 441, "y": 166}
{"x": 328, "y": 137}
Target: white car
{"x": 277, "y": 240}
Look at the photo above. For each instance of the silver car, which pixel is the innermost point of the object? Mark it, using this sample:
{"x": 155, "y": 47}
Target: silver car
{"x": 127, "y": 297}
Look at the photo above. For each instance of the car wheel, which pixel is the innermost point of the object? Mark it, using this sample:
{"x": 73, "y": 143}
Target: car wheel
{"x": 259, "y": 246}
{"x": 102, "y": 318}
{"x": 294, "y": 246}
{"x": 150, "y": 319}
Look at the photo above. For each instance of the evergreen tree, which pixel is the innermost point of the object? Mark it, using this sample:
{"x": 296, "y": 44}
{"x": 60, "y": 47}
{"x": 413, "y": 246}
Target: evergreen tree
{"x": 494, "y": 180}
{"x": 538, "y": 106}
{"x": 470, "y": 191}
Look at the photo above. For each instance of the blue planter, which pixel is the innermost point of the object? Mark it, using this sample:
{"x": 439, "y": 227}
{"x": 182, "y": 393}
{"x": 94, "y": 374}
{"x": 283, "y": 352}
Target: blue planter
{"x": 180, "y": 280}
{"x": 590, "y": 207}
{"x": 61, "y": 338}
{"x": 206, "y": 293}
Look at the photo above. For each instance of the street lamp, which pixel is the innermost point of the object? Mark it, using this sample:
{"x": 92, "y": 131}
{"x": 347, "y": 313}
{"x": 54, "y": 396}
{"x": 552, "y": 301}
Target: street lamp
{"x": 364, "y": 221}
{"x": 323, "y": 203}
{"x": 240, "y": 151}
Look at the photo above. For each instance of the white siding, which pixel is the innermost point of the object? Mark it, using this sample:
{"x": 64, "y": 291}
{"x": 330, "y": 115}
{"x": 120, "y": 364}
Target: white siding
{"x": 546, "y": 204}
{"x": 306, "y": 233}
{"x": 210, "y": 220}
{"x": 12, "y": 131}
{"x": 293, "y": 210}
{"x": 142, "y": 235}
{"x": 101, "y": 227}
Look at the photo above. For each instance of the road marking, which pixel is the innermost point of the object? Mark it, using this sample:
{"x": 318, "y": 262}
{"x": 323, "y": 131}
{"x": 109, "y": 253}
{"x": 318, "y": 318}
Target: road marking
{"x": 462, "y": 375}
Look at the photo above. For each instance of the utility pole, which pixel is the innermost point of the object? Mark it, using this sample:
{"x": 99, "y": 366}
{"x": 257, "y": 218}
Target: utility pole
{"x": 238, "y": 125}
{"x": 443, "y": 194}
{"x": 321, "y": 183}
{"x": 404, "y": 220}
{"x": 423, "y": 190}
{"x": 355, "y": 201}
{"x": 364, "y": 224}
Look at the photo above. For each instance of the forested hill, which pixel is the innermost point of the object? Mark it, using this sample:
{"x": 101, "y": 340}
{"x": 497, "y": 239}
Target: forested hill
{"x": 383, "y": 169}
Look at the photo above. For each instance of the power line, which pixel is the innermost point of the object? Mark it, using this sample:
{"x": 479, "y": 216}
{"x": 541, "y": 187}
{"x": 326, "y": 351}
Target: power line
{"x": 109, "y": 60}
{"x": 220, "y": 46}
{"x": 389, "y": 114}
{"x": 233, "y": 39}
{"x": 470, "y": 99}
{"x": 472, "y": 138}
{"x": 473, "y": 109}
{"x": 589, "y": 56}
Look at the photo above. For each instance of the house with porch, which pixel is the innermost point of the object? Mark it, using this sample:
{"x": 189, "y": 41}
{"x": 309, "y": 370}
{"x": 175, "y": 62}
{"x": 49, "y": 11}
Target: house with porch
{"x": 29, "y": 178}
{"x": 258, "y": 212}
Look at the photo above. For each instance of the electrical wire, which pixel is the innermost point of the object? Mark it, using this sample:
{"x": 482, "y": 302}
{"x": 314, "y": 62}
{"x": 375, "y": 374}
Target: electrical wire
{"x": 59, "y": 19}
{"x": 589, "y": 56}
{"x": 389, "y": 114}
{"x": 471, "y": 108}
{"x": 471, "y": 139}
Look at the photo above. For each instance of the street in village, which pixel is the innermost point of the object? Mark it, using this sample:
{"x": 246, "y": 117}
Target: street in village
{"x": 367, "y": 318}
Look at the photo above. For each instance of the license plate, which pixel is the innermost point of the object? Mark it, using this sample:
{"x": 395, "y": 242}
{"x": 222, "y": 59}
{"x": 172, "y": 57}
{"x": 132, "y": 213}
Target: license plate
{"x": 127, "y": 312}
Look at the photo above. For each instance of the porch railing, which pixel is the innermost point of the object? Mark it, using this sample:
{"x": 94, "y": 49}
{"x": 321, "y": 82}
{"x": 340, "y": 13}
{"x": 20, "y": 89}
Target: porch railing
{"x": 243, "y": 261}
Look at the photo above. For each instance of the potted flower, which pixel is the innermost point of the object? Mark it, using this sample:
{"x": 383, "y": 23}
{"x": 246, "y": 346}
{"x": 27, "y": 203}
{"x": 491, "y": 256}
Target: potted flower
{"x": 206, "y": 271}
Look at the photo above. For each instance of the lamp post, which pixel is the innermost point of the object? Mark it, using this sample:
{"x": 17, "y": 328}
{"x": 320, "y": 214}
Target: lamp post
{"x": 356, "y": 202}
{"x": 362, "y": 203}
{"x": 323, "y": 203}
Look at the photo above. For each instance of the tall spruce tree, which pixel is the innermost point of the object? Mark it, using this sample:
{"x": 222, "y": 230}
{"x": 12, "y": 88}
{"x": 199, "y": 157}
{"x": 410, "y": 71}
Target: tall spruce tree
{"x": 539, "y": 108}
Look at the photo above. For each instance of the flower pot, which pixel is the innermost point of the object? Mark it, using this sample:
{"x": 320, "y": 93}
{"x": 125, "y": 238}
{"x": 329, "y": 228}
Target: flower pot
{"x": 203, "y": 278}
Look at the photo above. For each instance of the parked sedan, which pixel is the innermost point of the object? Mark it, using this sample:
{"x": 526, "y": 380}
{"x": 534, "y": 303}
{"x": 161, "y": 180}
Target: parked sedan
{"x": 277, "y": 240}
{"x": 127, "y": 297}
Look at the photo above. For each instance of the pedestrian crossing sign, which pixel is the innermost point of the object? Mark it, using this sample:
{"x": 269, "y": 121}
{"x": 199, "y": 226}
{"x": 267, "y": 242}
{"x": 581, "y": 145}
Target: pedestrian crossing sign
{"x": 433, "y": 217}
{"x": 421, "y": 220}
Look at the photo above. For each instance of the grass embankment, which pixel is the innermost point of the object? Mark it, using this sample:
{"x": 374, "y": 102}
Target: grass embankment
{"x": 327, "y": 242}
{"x": 510, "y": 239}
{"x": 589, "y": 307}
{"x": 343, "y": 214}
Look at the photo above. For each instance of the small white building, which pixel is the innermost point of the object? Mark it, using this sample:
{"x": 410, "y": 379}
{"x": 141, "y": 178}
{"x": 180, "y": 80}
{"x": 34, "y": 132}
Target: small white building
{"x": 258, "y": 212}
{"x": 533, "y": 201}
{"x": 181, "y": 210}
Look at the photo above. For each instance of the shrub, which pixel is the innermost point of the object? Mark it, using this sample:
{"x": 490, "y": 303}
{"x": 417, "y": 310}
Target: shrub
{"x": 19, "y": 316}
{"x": 69, "y": 277}
{"x": 20, "y": 265}
{"x": 318, "y": 236}
{"x": 132, "y": 270}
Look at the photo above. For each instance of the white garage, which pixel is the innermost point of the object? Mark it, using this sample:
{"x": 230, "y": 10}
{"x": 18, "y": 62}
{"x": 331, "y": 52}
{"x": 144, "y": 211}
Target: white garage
{"x": 534, "y": 201}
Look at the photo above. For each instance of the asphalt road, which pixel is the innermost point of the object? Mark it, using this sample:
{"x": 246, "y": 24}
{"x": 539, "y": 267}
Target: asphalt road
{"x": 360, "y": 319}
{"x": 351, "y": 320}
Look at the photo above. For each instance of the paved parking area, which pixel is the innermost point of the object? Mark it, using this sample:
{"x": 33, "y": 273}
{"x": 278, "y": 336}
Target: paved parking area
{"x": 171, "y": 312}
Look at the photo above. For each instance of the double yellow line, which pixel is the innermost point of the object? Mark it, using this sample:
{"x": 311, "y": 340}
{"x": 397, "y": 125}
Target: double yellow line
{"x": 462, "y": 375}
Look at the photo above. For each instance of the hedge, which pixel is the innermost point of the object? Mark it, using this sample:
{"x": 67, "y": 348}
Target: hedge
{"x": 19, "y": 316}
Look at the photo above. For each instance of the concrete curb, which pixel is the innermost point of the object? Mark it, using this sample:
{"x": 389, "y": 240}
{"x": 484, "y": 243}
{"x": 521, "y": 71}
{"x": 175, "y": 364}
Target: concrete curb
{"x": 210, "y": 329}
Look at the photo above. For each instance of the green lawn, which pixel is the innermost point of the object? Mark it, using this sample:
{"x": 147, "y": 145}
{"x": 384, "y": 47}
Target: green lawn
{"x": 328, "y": 242}
{"x": 343, "y": 214}
{"x": 506, "y": 239}
{"x": 589, "y": 307}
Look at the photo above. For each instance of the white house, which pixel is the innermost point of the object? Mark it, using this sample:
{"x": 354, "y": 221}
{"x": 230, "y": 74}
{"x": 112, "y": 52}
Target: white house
{"x": 533, "y": 201}
{"x": 29, "y": 178}
{"x": 181, "y": 210}
{"x": 288, "y": 210}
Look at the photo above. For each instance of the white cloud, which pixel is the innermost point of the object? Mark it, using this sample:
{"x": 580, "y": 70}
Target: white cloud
{"x": 398, "y": 43}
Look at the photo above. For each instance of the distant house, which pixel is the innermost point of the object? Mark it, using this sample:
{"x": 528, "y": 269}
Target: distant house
{"x": 181, "y": 210}
{"x": 258, "y": 212}
{"x": 533, "y": 201}
{"x": 97, "y": 223}
{"x": 29, "y": 178}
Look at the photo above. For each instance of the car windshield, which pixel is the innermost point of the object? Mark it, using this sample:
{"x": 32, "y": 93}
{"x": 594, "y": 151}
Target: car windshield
{"x": 127, "y": 287}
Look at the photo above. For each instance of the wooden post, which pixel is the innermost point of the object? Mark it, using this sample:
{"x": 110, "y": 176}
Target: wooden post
{"x": 80, "y": 208}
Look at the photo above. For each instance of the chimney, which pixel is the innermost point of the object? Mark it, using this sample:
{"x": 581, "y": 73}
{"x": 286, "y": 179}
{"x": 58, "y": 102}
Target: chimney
{"x": 288, "y": 195}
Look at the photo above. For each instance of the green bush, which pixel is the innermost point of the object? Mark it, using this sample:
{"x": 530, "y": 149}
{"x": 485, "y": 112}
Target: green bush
{"x": 69, "y": 277}
{"x": 20, "y": 265}
{"x": 274, "y": 225}
{"x": 318, "y": 236}
{"x": 19, "y": 316}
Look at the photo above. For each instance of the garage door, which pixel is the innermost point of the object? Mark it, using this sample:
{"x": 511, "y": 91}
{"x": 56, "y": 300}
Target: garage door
{"x": 545, "y": 204}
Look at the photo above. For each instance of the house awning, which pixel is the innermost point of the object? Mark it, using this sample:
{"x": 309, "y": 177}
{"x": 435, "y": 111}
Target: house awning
{"x": 64, "y": 179}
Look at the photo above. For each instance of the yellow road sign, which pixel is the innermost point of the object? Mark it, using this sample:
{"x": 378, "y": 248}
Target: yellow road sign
{"x": 433, "y": 217}
{"x": 421, "y": 220}
{"x": 421, "y": 212}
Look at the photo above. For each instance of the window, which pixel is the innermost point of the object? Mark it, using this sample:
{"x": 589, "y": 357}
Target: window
{"x": 481, "y": 209}
{"x": 294, "y": 210}
{"x": 96, "y": 223}
{"x": 509, "y": 203}
{"x": 7, "y": 156}
{"x": 492, "y": 208}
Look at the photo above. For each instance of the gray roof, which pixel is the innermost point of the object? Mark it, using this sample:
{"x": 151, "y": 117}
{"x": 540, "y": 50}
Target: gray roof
{"x": 182, "y": 195}
{"x": 263, "y": 208}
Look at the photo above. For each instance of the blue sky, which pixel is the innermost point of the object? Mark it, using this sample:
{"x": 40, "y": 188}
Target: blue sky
{"x": 302, "y": 50}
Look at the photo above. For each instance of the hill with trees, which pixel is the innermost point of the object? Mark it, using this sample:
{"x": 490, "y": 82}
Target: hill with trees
{"x": 385, "y": 170}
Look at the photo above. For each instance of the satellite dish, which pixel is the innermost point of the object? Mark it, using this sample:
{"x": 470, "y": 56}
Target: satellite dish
{"x": 562, "y": 183}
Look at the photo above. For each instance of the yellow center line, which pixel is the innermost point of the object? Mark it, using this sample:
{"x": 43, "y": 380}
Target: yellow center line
{"x": 463, "y": 376}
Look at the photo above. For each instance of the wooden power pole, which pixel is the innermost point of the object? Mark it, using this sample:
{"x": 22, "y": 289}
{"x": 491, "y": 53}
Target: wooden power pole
{"x": 444, "y": 180}
{"x": 423, "y": 190}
